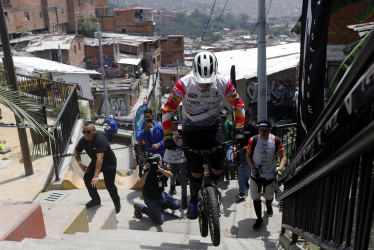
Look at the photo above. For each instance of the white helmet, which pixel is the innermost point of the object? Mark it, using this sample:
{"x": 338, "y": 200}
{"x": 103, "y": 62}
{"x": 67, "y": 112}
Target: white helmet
{"x": 205, "y": 67}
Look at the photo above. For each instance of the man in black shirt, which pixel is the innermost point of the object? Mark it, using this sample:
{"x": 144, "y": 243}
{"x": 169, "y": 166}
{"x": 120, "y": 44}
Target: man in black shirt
{"x": 103, "y": 160}
{"x": 244, "y": 172}
{"x": 153, "y": 192}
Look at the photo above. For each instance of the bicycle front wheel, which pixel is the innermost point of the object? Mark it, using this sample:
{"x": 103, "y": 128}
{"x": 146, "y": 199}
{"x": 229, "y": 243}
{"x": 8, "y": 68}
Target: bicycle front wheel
{"x": 203, "y": 221}
{"x": 214, "y": 227}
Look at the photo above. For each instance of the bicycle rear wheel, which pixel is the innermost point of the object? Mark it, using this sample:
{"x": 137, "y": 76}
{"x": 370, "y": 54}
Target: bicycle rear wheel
{"x": 214, "y": 227}
{"x": 203, "y": 220}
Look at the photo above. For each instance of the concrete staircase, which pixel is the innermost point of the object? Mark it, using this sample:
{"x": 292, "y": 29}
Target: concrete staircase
{"x": 177, "y": 232}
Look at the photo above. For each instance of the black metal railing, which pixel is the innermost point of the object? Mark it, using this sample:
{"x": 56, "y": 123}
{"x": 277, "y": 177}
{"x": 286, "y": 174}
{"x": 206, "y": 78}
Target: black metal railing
{"x": 287, "y": 132}
{"x": 329, "y": 184}
{"x": 61, "y": 96}
{"x": 44, "y": 91}
{"x": 63, "y": 130}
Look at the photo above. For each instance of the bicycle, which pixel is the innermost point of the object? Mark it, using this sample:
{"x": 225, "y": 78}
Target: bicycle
{"x": 209, "y": 198}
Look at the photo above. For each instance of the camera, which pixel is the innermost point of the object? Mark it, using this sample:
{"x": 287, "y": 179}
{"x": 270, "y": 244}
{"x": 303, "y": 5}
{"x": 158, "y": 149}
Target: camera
{"x": 148, "y": 120}
{"x": 152, "y": 160}
{"x": 257, "y": 171}
{"x": 180, "y": 129}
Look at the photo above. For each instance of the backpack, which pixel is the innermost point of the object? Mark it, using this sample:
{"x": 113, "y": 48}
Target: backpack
{"x": 254, "y": 142}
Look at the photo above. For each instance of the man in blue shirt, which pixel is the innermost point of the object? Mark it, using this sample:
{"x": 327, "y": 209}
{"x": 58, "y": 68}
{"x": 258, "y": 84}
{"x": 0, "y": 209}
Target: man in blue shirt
{"x": 152, "y": 133}
{"x": 111, "y": 128}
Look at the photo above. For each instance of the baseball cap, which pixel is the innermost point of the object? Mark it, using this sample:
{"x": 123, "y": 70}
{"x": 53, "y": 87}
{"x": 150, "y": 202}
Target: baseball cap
{"x": 175, "y": 119}
{"x": 223, "y": 112}
{"x": 264, "y": 125}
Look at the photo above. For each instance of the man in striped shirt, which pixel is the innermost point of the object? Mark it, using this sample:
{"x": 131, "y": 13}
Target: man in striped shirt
{"x": 201, "y": 93}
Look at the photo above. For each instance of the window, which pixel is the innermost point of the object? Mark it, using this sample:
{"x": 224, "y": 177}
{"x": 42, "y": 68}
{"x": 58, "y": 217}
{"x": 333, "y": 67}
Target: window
{"x": 62, "y": 11}
{"x": 154, "y": 60}
{"x": 27, "y": 16}
{"x": 75, "y": 49}
{"x": 172, "y": 78}
{"x": 80, "y": 2}
{"x": 6, "y": 17}
{"x": 158, "y": 58}
{"x": 79, "y": 45}
{"x": 40, "y": 15}
{"x": 90, "y": 1}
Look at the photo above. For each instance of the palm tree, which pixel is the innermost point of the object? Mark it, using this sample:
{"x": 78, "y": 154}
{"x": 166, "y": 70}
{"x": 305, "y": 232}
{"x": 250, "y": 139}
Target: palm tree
{"x": 20, "y": 106}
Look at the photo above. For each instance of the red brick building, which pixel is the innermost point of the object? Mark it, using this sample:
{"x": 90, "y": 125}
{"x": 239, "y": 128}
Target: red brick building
{"x": 22, "y": 16}
{"x": 49, "y": 15}
{"x": 101, "y": 7}
{"x": 137, "y": 20}
{"x": 146, "y": 48}
{"x": 46, "y": 47}
{"x": 55, "y": 15}
{"x": 172, "y": 50}
{"x": 78, "y": 9}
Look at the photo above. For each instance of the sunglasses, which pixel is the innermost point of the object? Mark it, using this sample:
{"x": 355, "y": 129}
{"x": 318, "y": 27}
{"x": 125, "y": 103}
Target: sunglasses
{"x": 86, "y": 132}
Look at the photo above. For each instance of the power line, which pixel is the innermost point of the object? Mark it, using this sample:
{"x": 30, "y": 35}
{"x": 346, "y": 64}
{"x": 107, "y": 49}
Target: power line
{"x": 206, "y": 27}
{"x": 219, "y": 19}
{"x": 269, "y": 5}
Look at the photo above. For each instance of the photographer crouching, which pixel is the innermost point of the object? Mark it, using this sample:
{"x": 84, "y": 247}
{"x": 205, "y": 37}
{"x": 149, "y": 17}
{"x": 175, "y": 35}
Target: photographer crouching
{"x": 152, "y": 183}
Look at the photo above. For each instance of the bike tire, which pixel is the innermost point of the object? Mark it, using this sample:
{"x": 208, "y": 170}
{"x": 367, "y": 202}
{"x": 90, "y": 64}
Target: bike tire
{"x": 203, "y": 220}
{"x": 214, "y": 212}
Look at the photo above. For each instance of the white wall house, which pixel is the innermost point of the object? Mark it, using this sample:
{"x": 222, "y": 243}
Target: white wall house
{"x": 34, "y": 66}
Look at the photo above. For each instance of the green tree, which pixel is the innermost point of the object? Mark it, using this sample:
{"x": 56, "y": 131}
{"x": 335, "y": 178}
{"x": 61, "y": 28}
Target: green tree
{"x": 87, "y": 25}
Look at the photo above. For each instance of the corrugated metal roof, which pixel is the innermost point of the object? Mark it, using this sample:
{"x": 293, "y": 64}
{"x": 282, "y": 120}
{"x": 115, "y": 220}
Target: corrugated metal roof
{"x": 278, "y": 58}
{"x": 51, "y": 43}
{"x": 111, "y": 38}
{"x": 31, "y": 64}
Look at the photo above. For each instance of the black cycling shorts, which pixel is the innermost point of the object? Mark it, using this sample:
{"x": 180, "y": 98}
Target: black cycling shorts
{"x": 204, "y": 139}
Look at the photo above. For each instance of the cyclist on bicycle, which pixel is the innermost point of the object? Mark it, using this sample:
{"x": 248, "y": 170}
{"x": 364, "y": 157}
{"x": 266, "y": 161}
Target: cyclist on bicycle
{"x": 201, "y": 93}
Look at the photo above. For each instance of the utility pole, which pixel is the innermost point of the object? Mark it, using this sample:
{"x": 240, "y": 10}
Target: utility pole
{"x": 105, "y": 102}
{"x": 261, "y": 63}
{"x": 12, "y": 81}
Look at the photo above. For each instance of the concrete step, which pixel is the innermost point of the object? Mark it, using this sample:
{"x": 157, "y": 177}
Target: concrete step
{"x": 64, "y": 218}
{"x": 132, "y": 239}
{"x": 20, "y": 221}
{"x": 102, "y": 218}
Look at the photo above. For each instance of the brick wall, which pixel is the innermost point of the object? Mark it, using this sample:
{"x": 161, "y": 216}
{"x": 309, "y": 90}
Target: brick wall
{"x": 338, "y": 32}
{"x": 55, "y": 14}
{"x": 172, "y": 50}
{"x": 92, "y": 56}
{"x": 24, "y": 15}
{"x": 76, "y": 10}
{"x": 125, "y": 22}
{"x": 77, "y": 52}
{"x": 101, "y": 7}
{"x": 106, "y": 23}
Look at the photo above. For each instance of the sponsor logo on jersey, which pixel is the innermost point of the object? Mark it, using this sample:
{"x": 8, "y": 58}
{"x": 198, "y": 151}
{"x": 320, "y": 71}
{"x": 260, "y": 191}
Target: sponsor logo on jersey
{"x": 192, "y": 95}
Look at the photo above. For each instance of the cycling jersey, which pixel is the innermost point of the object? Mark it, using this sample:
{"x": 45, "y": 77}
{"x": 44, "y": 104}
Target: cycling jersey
{"x": 201, "y": 106}
{"x": 264, "y": 155}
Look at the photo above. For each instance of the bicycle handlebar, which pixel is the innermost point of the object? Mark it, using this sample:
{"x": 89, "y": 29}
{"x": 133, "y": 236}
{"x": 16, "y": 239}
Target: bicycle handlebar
{"x": 205, "y": 151}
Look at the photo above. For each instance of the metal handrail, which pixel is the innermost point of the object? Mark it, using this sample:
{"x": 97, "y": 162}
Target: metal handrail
{"x": 353, "y": 73}
{"x": 358, "y": 144}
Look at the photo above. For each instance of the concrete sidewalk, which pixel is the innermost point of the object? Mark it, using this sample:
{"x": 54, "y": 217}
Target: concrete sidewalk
{"x": 14, "y": 184}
